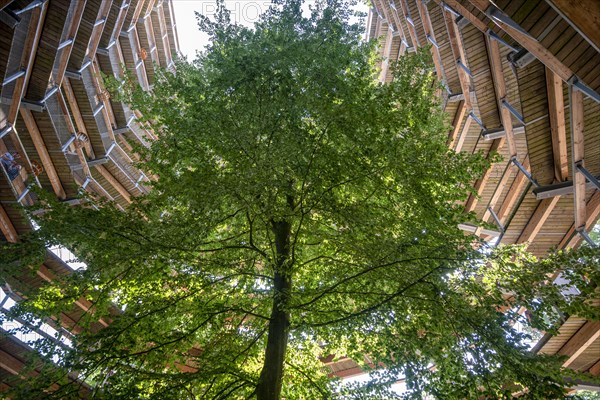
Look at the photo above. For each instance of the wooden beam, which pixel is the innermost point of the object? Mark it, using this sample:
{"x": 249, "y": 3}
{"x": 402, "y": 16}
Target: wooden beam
{"x": 428, "y": 28}
{"x": 524, "y": 39}
{"x": 70, "y": 95}
{"x": 97, "y": 30}
{"x": 498, "y": 191}
{"x": 459, "y": 54}
{"x": 456, "y": 123}
{"x": 556, "y": 113}
{"x": 42, "y": 151}
{"x": 571, "y": 238}
{"x": 537, "y": 220}
{"x": 481, "y": 182}
{"x": 34, "y": 32}
{"x": 13, "y": 365}
{"x": 463, "y": 133}
{"x": 7, "y": 227}
{"x": 577, "y": 143}
{"x": 114, "y": 182}
{"x": 477, "y": 23}
{"x": 583, "y": 16}
{"x": 580, "y": 341}
{"x": 387, "y": 50}
{"x": 515, "y": 191}
{"x": 493, "y": 50}
{"x": 411, "y": 29}
{"x": 72, "y": 32}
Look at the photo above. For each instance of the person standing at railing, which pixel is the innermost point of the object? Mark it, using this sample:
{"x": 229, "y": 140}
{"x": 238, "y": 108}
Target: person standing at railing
{"x": 10, "y": 164}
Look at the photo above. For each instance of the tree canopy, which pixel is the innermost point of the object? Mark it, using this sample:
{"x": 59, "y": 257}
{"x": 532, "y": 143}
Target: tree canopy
{"x": 299, "y": 210}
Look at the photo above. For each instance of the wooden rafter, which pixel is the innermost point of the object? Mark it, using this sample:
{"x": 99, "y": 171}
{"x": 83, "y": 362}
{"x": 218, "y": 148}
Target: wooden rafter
{"x": 497, "y": 192}
{"x": 34, "y": 32}
{"x": 577, "y": 143}
{"x": 7, "y": 227}
{"x": 515, "y": 191}
{"x": 98, "y": 28}
{"x": 529, "y": 43}
{"x": 580, "y": 341}
{"x": 428, "y": 28}
{"x": 84, "y": 304}
{"x": 456, "y": 123}
{"x": 537, "y": 220}
{"x": 387, "y": 50}
{"x": 481, "y": 182}
{"x": 459, "y": 54}
{"x": 70, "y": 95}
{"x": 12, "y": 364}
{"x": 493, "y": 50}
{"x": 463, "y": 133}
{"x": 411, "y": 29}
{"x": 72, "y": 32}
{"x": 556, "y": 113}
{"x": 114, "y": 182}
{"x": 42, "y": 151}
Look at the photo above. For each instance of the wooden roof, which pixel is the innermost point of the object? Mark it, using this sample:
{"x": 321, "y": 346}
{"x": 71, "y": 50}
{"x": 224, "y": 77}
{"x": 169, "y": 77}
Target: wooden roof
{"x": 517, "y": 75}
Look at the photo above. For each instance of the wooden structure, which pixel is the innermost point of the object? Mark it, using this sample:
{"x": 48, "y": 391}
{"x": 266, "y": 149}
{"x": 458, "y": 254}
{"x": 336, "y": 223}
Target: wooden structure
{"x": 56, "y": 114}
{"x": 521, "y": 78}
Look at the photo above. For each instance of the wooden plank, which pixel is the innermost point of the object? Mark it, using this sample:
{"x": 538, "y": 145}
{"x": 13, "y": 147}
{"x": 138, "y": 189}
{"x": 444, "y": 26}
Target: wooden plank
{"x": 428, "y": 28}
{"x": 583, "y": 16}
{"x": 7, "y": 227}
{"x": 458, "y": 51}
{"x": 580, "y": 341}
{"x": 493, "y": 51}
{"x": 556, "y": 113}
{"x": 577, "y": 143}
{"x": 114, "y": 182}
{"x": 481, "y": 182}
{"x": 42, "y": 151}
{"x": 537, "y": 220}
{"x": 456, "y": 123}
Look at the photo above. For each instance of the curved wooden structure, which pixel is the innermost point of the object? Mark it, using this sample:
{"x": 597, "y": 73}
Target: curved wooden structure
{"x": 57, "y": 115}
{"x": 522, "y": 78}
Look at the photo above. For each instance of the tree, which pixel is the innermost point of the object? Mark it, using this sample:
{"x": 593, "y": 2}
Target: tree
{"x": 300, "y": 210}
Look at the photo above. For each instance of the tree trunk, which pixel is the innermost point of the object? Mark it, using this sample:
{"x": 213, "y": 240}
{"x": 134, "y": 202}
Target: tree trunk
{"x": 271, "y": 376}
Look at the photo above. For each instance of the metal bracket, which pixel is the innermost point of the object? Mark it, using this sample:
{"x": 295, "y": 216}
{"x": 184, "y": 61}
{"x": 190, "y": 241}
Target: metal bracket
{"x": 472, "y": 115}
{"x": 586, "y": 236}
{"x": 495, "y": 216}
{"x": 583, "y": 88}
{"x": 513, "y": 111}
{"x": 525, "y": 172}
{"x": 492, "y": 35}
{"x": 464, "y": 68}
{"x": 587, "y": 174}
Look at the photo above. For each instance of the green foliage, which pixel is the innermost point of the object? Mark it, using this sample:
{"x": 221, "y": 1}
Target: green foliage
{"x": 284, "y": 123}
